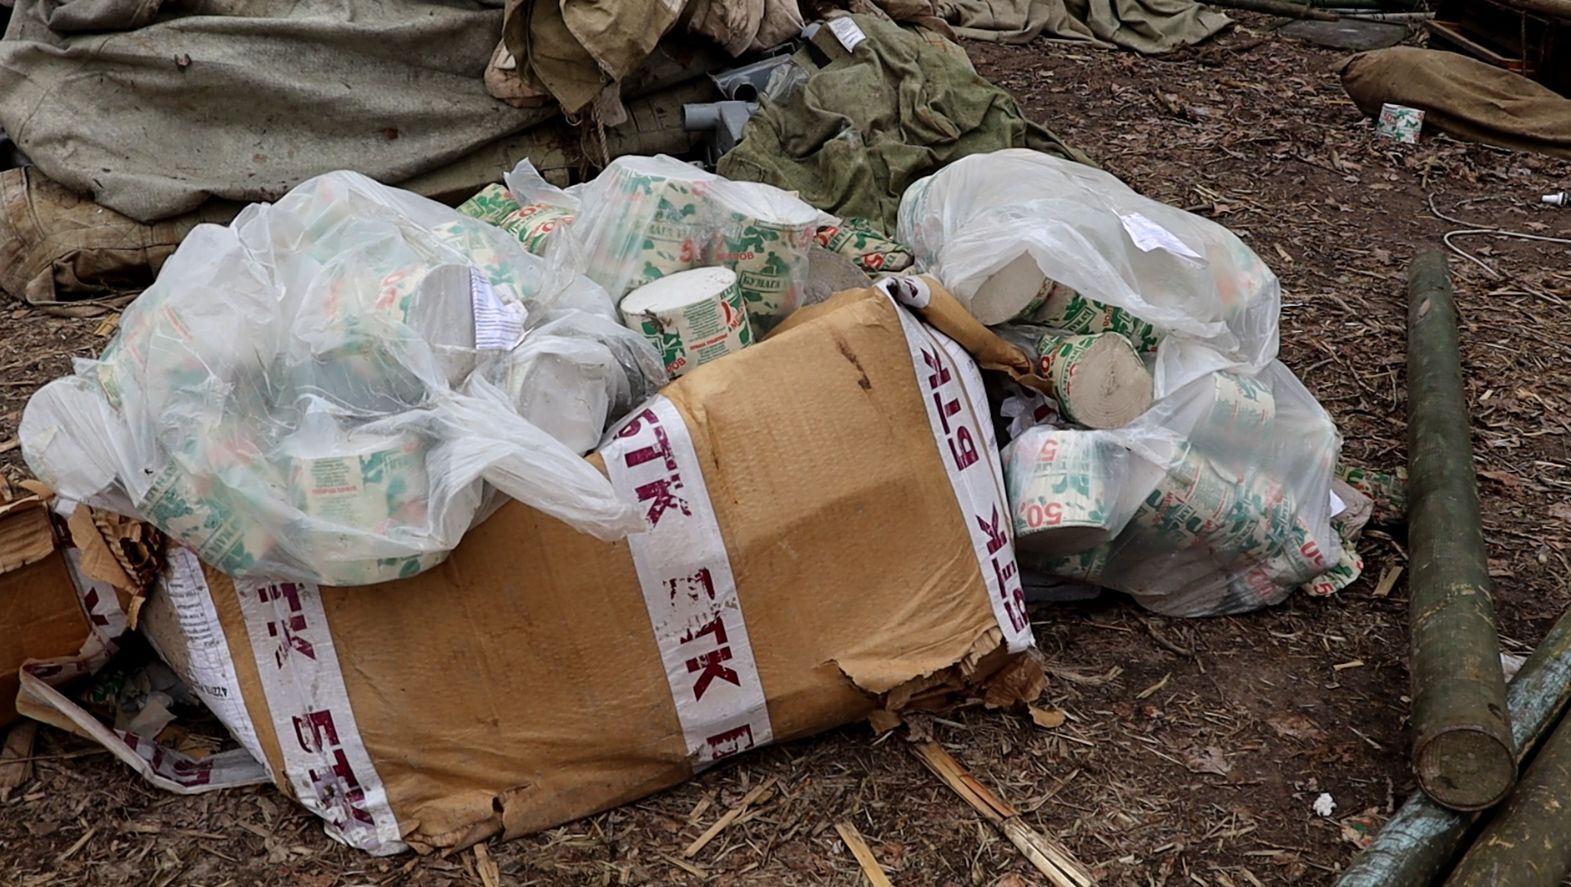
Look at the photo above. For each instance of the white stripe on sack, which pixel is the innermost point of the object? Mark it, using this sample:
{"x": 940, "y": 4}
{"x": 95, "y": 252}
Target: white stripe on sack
{"x": 325, "y": 759}
{"x": 688, "y": 586}
{"x": 952, "y": 391}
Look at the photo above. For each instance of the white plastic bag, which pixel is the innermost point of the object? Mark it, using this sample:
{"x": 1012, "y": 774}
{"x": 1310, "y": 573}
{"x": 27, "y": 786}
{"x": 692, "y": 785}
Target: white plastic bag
{"x": 644, "y": 218}
{"x": 303, "y": 395}
{"x": 575, "y": 373}
{"x": 1231, "y": 476}
{"x": 1001, "y": 229}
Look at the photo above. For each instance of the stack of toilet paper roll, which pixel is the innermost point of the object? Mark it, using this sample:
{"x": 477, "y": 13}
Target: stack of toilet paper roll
{"x": 363, "y": 483}
{"x": 691, "y": 317}
{"x": 642, "y": 219}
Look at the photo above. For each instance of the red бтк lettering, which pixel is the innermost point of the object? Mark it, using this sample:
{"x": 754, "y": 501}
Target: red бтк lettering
{"x": 702, "y": 581}
{"x": 289, "y": 593}
{"x": 730, "y": 742}
{"x": 711, "y": 665}
{"x": 661, "y": 498}
{"x": 962, "y": 444}
{"x": 337, "y": 786}
{"x": 660, "y": 493}
{"x": 1013, "y": 598}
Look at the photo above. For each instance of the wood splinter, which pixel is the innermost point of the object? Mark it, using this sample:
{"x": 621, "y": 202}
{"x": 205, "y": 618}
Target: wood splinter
{"x": 1049, "y": 857}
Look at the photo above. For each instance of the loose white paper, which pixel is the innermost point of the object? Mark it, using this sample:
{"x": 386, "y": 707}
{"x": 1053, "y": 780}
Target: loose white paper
{"x": 847, "y": 31}
{"x": 1148, "y": 236}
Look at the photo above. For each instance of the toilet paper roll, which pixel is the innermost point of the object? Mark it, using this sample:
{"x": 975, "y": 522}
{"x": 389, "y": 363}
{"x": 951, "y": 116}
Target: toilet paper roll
{"x": 1098, "y": 380}
{"x": 1072, "y": 312}
{"x": 691, "y": 317}
{"x": 764, "y": 237}
{"x": 1013, "y": 292}
{"x": 1063, "y": 488}
{"x": 661, "y": 223}
{"x": 532, "y": 225}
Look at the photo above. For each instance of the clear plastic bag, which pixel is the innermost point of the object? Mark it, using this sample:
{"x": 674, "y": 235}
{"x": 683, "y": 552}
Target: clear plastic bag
{"x": 308, "y": 393}
{"x": 644, "y": 218}
{"x": 1230, "y": 477}
{"x": 1002, "y": 229}
{"x": 570, "y": 376}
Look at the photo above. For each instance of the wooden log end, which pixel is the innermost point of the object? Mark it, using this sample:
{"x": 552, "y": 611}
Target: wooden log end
{"x": 1465, "y": 768}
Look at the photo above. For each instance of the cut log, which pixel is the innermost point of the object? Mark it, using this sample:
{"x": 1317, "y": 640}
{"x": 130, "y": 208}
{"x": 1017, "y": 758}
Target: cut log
{"x": 1421, "y": 840}
{"x": 1463, "y": 755}
{"x": 1528, "y": 841}
{"x": 1099, "y": 380}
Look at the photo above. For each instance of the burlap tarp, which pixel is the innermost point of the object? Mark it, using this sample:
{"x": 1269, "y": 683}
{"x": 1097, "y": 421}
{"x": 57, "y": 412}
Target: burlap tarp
{"x": 62, "y": 252}
{"x": 861, "y": 130}
{"x": 1148, "y": 26}
{"x": 244, "y": 99}
{"x": 1463, "y": 97}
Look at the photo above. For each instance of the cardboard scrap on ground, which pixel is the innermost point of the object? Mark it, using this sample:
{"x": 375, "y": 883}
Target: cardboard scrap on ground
{"x": 46, "y": 612}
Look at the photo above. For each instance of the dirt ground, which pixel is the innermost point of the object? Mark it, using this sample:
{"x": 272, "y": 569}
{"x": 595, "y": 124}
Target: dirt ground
{"x": 1193, "y": 750}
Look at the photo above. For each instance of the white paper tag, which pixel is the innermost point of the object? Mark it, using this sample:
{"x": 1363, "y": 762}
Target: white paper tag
{"x": 499, "y": 325}
{"x": 1337, "y": 505}
{"x": 847, "y": 31}
{"x": 1148, "y": 236}
{"x": 688, "y": 586}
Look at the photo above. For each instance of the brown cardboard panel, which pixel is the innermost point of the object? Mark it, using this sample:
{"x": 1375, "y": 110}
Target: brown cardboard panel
{"x": 40, "y": 614}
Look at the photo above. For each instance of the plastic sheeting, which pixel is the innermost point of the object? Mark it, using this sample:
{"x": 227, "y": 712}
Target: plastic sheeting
{"x": 333, "y": 388}
{"x": 1215, "y": 302}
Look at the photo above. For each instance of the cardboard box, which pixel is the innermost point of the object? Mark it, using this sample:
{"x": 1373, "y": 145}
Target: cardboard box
{"x": 828, "y": 536}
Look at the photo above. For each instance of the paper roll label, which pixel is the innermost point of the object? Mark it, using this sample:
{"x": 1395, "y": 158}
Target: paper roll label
{"x": 699, "y": 333}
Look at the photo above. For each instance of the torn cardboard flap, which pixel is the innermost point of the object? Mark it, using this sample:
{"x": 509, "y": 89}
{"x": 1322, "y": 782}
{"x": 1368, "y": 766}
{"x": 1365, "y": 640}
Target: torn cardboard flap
{"x": 26, "y": 535}
{"x": 41, "y": 616}
{"x": 120, "y": 552}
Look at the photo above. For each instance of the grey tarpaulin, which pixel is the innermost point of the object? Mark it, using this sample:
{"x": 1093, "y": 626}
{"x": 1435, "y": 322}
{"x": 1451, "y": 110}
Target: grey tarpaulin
{"x": 65, "y": 254}
{"x": 243, "y": 99}
{"x": 1148, "y": 26}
